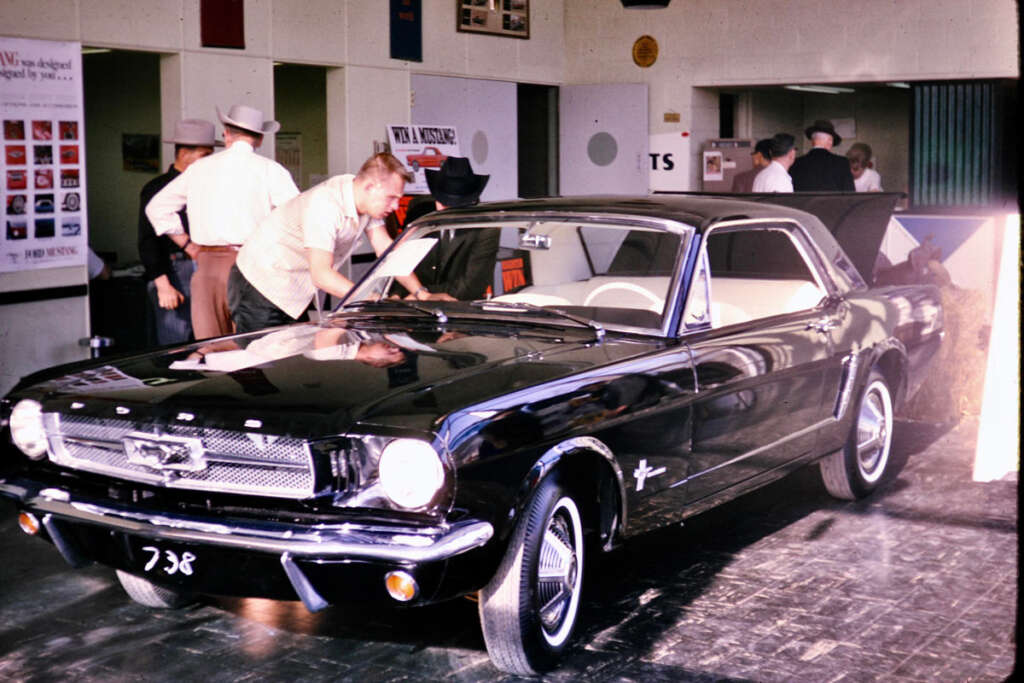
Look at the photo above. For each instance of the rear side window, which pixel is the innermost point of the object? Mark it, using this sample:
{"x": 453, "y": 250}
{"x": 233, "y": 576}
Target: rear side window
{"x": 757, "y": 273}
{"x": 755, "y": 253}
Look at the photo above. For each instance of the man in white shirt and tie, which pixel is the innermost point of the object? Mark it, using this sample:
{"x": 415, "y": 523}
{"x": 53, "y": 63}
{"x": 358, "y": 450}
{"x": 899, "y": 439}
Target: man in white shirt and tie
{"x": 775, "y": 176}
{"x": 225, "y": 196}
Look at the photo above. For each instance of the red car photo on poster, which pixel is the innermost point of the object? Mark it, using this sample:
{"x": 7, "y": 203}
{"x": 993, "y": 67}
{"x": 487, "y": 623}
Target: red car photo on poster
{"x": 430, "y": 157}
{"x": 15, "y": 154}
{"x": 68, "y": 130}
{"x": 69, "y": 154}
{"x": 42, "y": 130}
{"x": 44, "y": 178}
{"x": 17, "y": 180}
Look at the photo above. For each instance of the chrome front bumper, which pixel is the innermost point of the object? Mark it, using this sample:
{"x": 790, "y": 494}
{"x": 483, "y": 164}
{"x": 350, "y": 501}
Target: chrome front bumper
{"x": 327, "y": 541}
{"x": 291, "y": 542}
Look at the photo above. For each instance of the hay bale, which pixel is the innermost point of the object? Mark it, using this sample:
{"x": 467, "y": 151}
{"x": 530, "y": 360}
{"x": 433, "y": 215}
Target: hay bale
{"x": 956, "y": 376}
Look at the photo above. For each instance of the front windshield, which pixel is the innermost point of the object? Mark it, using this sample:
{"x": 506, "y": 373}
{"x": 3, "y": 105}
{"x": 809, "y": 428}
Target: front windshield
{"x": 616, "y": 275}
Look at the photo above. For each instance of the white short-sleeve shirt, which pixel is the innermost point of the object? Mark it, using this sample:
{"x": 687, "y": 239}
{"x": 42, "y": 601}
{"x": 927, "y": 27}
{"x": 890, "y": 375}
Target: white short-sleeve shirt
{"x": 773, "y": 178}
{"x": 274, "y": 259}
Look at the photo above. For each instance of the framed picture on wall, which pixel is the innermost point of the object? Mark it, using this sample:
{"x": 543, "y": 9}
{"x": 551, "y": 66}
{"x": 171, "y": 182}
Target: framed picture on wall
{"x": 509, "y": 18}
{"x": 140, "y": 152}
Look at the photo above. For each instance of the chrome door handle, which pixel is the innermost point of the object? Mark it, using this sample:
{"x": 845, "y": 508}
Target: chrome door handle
{"x": 823, "y": 325}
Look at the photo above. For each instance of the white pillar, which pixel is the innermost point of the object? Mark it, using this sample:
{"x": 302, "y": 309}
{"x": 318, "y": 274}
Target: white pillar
{"x": 998, "y": 450}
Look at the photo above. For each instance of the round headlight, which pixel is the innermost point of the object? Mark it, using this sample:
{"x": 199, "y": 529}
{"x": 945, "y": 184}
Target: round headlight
{"x": 411, "y": 472}
{"x": 27, "y": 428}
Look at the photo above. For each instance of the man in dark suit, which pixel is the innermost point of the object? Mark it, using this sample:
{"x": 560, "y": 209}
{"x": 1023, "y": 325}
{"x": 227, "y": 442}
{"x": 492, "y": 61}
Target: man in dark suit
{"x": 820, "y": 170}
{"x": 462, "y": 263}
{"x": 169, "y": 269}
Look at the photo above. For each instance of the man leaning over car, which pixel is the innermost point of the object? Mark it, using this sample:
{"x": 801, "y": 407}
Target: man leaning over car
{"x": 299, "y": 246}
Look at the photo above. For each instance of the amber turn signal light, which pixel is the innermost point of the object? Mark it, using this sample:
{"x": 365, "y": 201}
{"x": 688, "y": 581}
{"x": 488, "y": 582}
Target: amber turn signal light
{"x": 28, "y": 523}
{"x": 401, "y": 586}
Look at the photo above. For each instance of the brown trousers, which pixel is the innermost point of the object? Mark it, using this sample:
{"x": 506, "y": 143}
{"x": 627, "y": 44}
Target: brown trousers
{"x": 210, "y": 314}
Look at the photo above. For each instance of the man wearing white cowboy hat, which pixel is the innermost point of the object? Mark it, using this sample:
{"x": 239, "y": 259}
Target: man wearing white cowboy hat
{"x": 460, "y": 264}
{"x": 820, "y": 170}
{"x": 169, "y": 269}
{"x": 299, "y": 247}
{"x": 225, "y": 195}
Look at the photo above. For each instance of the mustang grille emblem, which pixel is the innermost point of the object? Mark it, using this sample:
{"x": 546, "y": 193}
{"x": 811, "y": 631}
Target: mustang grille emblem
{"x": 165, "y": 452}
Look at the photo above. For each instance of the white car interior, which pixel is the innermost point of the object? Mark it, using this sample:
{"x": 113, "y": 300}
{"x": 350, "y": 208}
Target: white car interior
{"x": 758, "y": 273}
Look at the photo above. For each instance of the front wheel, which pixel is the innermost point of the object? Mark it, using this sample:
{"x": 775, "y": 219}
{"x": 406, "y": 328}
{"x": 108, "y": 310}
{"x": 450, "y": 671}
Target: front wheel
{"x": 147, "y": 593}
{"x": 859, "y": 467}
{"x": 529, "y": 609}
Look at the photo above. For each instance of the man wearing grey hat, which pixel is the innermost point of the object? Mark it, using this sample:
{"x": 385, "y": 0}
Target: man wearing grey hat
{"x": 820, "y": 170}
{"x": 225, "y": 195}
{"x": 169, "y": 269}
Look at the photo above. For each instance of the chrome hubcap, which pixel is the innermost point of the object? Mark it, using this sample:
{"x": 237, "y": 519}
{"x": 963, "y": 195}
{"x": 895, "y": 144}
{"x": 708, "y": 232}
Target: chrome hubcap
{"x": 874, "y": 432}
{"x": 557, "y": 572}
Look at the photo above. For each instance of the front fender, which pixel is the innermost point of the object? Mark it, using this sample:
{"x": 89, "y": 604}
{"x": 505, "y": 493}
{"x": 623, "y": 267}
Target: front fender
{"x": 585, "y": 456}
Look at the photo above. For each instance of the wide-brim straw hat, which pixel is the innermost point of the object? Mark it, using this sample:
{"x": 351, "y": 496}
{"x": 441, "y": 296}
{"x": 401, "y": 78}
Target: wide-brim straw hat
{"x": 247, "y": 118}
{"x": 194, "y": 133}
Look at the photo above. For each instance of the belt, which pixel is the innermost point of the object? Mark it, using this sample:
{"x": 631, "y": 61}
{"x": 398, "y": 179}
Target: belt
{"x": 219, "y": 248}
{"x": 177, "y": 256}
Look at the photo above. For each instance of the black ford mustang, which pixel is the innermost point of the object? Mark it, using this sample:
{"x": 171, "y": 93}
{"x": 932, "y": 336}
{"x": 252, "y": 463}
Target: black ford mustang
{"x": 626, "y": 363}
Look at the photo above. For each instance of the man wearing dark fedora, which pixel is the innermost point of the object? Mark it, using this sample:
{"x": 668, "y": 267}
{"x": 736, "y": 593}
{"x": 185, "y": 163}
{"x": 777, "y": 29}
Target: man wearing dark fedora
{"x": 820, "y": 170}
{"x": 460, "y": 264}
{"x": 225, "y": 195}
{"x": 169, "y": 269}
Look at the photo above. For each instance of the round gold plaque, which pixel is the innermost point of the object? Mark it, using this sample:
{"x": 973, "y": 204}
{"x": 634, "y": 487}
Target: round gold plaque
{"x": 645, "y": 51}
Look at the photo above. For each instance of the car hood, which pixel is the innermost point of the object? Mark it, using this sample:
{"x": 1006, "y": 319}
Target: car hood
{"x": 308, "y": 379}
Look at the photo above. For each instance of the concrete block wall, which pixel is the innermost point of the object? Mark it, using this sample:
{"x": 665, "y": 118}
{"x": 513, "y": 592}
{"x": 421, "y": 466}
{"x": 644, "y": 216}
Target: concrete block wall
{"x": 721, "y": 43}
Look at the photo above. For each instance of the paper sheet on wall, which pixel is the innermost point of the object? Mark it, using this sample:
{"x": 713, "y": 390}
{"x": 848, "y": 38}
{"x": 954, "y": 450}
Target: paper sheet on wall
{"x": 42, "y": 169}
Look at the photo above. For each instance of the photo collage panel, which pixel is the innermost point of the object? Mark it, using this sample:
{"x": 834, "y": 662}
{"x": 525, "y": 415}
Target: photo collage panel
{"x": 42, "y": 193}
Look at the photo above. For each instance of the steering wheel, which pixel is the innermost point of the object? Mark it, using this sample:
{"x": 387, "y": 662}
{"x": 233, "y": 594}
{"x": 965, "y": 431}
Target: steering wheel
{"x": 656, "y": 305}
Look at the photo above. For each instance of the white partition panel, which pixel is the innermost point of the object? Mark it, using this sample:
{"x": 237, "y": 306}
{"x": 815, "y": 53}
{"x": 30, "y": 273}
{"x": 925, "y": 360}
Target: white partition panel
{"x": 485, "y": 115}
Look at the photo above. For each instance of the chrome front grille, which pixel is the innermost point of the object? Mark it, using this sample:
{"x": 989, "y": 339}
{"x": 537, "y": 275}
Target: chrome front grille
{"x": 182, "y": 456}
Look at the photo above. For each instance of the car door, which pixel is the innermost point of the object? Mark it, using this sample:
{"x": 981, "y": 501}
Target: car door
{"x": 761, "y": 367}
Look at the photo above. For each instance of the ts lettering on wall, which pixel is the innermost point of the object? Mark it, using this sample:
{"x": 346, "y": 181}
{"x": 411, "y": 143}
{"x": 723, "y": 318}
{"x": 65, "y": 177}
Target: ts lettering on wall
{"x": 670, "y": 161}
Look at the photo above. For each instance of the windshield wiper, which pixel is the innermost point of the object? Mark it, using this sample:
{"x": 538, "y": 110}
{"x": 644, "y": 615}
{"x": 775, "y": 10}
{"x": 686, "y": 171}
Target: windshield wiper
{"x": 433, "y": 312}
{"x": 491, "y": 305}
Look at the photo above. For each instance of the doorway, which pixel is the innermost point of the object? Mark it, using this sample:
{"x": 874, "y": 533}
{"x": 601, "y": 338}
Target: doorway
{"x": 300, "y": 106}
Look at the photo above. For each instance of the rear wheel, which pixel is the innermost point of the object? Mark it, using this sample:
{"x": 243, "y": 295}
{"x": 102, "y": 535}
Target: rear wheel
{"x": 859, "y": 467}
{"x": 147, "y": 593}
{"x": 528, "y": 610}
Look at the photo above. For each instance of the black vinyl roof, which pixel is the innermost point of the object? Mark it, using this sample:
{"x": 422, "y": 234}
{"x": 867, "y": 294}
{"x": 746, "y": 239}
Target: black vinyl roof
{"x": 698, "y": 211}
{"x": 856, "y": 220}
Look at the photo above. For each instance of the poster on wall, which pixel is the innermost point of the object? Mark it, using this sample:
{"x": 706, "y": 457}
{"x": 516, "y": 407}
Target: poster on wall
{"x": 42, "y": 176}
{"x": 288, "y": 153}
{"x": 713, "y": 168}
{"x": 420, "y": 147}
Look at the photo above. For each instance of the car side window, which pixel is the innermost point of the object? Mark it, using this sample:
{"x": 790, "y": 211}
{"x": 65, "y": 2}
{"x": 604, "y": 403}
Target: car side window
{"x": 758, "y": 272}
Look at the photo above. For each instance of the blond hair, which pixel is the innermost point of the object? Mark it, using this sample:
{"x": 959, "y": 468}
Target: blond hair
{"x": 381, "y": 166}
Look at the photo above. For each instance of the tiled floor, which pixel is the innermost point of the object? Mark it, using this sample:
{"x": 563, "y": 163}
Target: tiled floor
{"x": 916, "y": 583}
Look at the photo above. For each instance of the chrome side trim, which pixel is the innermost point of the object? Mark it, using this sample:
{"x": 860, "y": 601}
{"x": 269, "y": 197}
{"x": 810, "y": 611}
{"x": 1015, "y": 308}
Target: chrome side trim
{"x": 340, "y": 541}
{"x": 760, "y": 449}
{"x": 850, "y": 366}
